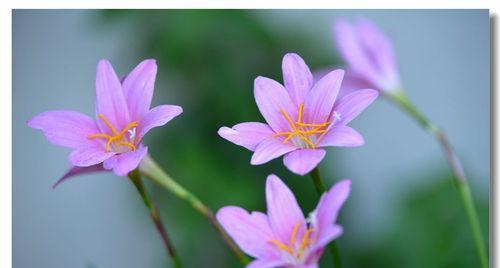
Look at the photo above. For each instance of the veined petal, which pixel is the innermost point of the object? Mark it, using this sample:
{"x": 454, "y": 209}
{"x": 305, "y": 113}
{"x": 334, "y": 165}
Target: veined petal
{"x": 138, "y": 87}
{"x": 273, "y": 99}
{"x": 158, "y": 116}
{"x": 123, "y": 163}
{"x": 250, "y": 231}
{"x": 302, "y": 161}
{"x": 89, "y": 156}
{"x": 351, "y": 105}
{"x": 283, "y": 212}
{"x": 248, "y": 134}
{"x": 269, "y": 149}
{"x": 330, "y": 203}
{"x": 110, "y": 99}
{"x": 267, "y": 263}
{"x": 77, "y": 171}
{"x": 342, "y": 136}
{"x": 297, "y": 77}
{"x": 320, "y": 100}
{"x": 65, "y": 128}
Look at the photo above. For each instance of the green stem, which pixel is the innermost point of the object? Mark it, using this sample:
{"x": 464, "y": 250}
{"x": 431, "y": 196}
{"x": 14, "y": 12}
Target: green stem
{"x": 154, "y": 172}
{"x": 399, "y": 98}
{"x": 135, "y": 177}
{"x": 320, "y": 189}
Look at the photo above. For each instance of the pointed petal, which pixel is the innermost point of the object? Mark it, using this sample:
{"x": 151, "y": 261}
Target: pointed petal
{"x": 267, "y": 263}
{"x": 330, "y": 203}
{"x": 342, "y": 136}
{"x": 65, "y": 128}
{"x": 328, "y": 234}
{"x": 158, "y": 116}
{"x": 89, "y": 156}
{"x": 110, "y": 99}
{"x": 122, "y": 164}
{"x": 138, "y": 87}
{"x": 350, "y": 106}
{"x": 77, "y": 171}
{"x": 271, "y": 97}
{"x": 320, "y": 100}
{"x": 297, "y": 77}
{"x": 283, "y": 212}
{"x": 269, "y": 149}
{"x": 248, "y": 134}
{"x": 302, "y": 161}
{"x": 250, "y": 231}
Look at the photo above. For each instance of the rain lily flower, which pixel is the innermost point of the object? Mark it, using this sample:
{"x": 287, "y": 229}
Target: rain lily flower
{"x": 369, "y": 55}
{"x": 302, "y": 117}
{"x": 283, "y": 237}
{"x": 113, "y": 140}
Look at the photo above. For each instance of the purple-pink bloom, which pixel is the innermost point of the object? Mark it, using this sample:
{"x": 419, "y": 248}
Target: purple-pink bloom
{"x": 302, "y": 117}
{"x": 113, "y": 140}
{"x": 284, "y": 237}
{"x": 369, "y": 55}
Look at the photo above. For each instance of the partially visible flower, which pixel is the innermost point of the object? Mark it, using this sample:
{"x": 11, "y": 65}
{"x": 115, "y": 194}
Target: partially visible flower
{"x": 369, "y": 55}
{"x": 301, "y": 117}
{"x": 113, "y": 141}
{"x": 284, "y": 237}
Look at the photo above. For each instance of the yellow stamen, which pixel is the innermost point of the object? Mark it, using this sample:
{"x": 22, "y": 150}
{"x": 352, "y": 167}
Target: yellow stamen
{"x": 106, "y": 121}
{"x": 117, "y": 137}
{"x": 294, "y": 233}
{"x": 281, "y": 246}
{"x": 305, "y": 239}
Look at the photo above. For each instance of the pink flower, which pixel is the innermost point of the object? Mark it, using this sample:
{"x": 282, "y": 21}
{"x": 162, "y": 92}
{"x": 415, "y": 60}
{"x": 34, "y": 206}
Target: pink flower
{"x": 283, "y": 237}
{"x": 123, "y": 118}
{"x": 369, "y": 55}
{"x": 302, "y": 117}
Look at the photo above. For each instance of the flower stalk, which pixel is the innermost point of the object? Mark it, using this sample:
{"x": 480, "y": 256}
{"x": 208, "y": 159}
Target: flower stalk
{"x": 151, "y": 170}
{"x": 320, "y": 189}
{"x": 399, "y": 98}
{"x": 135, "y": 177}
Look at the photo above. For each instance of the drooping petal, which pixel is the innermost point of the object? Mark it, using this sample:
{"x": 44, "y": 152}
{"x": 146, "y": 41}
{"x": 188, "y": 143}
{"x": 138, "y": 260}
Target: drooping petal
{"x": 273, "y": 100}
{"x": 123, "y": 163}
{"x": 269, "y": 149}
{"x": 138, "y": 87}
{"x": 89, "y": 156}
{"x": 158, "y": 116}
{"x": 110, "y": 99}
{"x": 350, "y": 106}
{"x": 320, "y": 100}
{"x": 250, "y": 231}
{"x": 77, "y": 171}
{"x": 248, "y": 134}
{"x": 65, "y": 128}
{"x": 302, "y": 161}
{"x": 267, "y": 263}
{"x": 342, "y": 136}
{"x": 328, "y": 234}
{"x": 297, "y": 77}
{"x": 283, "y": 211}
{"x": 330, "y": 203}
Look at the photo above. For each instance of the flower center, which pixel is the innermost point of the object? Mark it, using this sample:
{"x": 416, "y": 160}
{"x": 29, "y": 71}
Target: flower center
{"x": 119, "y": 139}
{"x": 296, "y": 248}
{"x": 306, "y": 133}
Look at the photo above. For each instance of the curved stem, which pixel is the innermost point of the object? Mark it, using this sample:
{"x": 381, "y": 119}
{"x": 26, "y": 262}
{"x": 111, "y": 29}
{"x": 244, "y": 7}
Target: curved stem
{"x": 154, "y": 172}
{"x": 320, "y": 189}
{"x": 403, "y": 102}
{"x": 135, "y": 177}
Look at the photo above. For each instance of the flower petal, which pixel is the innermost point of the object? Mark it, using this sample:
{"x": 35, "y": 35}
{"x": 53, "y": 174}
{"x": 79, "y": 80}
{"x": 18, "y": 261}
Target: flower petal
{"x": 269, "y": 149}
{"x": 320, "y": 100}
{"x": 65, "y": 128}
{"x": 248, "y": 134}
{"x": 302, "y": 161}
{"x": 352, "y": 82}
{"x": 89, "y": 156}
{"x": 342, "y": 136}
{"x": 250, "y": 231}
{"x": 123, "y": 163}
{"x": 283, "y": 212}
{"x": 110, "y": 99}
{"x": 267, "y": 263}
{"x": 328, "y": 234}
{"x": 350, "y": 106}
{"x": 330, "y": 203}
{"x": 297, "y": 77}
{"x": 77, "y": 171}
{"x": 138, "y": 87}
{"x": 272, "y": 99}
{"x": 158, "y": 116}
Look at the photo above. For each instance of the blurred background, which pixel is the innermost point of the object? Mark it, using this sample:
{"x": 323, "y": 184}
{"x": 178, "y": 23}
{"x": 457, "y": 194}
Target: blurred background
{"x": 403, "y": 211}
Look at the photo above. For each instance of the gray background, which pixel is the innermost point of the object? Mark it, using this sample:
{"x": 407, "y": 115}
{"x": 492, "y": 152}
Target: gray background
{"x": 54, "y": 59}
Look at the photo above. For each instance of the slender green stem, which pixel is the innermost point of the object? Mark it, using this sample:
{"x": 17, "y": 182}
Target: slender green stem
{"x": 320, "y": 189}
{"x": 154, "y": 172}
{"x": 403, "y": 102}
{"x": 135, "y": 177}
